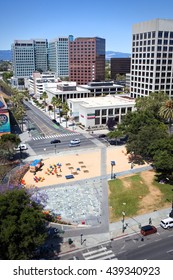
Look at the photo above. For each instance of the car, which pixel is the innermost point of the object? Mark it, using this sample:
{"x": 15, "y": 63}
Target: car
{"x": 54, "y": 121}
{"x": 55, "y": 141}
{"x": 148, "y": 229}
{"x": 71, "y": 124}
{"x": 74, "y": 145}
{"x": 102, "y": 135}
{"x": 75, "y": 141}
{"x": 21, "y": 147}
{"x": 167, "y": 223}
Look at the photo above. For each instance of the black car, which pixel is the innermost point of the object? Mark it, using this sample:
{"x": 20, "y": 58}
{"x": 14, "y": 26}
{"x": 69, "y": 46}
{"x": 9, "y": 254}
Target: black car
{"x": 54, "y": 121}
{"x": 102, "y": 135}
{"x": 55, "y": 141}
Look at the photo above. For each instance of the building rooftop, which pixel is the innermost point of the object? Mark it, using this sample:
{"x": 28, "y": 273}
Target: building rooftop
{"x": 110, "y": 100}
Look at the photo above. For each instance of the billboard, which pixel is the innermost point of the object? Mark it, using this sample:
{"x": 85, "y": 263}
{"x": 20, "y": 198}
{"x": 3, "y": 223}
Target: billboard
{"x": 4, "y": 122}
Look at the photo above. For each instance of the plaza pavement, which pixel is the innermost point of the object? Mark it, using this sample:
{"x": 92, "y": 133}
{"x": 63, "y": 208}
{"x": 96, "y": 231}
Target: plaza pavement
{"x": 115, "y": 229}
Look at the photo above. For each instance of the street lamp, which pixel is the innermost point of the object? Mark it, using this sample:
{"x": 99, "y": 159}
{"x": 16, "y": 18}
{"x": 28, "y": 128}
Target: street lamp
{"x": 81, "y": 240}
{"x": 112, "y": 166}
{"x": 171, "y": 213}
{"x": 123, "y": 222}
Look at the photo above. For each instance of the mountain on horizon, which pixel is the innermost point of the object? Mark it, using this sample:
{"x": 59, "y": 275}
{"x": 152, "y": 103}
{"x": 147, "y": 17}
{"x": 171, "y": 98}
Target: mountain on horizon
{"x": 6, "y": 55}
{"x": 113, "y": 54}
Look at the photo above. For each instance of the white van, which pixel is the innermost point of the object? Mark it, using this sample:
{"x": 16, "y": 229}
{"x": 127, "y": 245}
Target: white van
{"x": 166, "y": 223}
{"x": 21, "y": 146}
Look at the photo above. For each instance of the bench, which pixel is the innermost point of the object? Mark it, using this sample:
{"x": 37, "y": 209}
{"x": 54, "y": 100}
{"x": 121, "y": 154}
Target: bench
{"x": 69, "y": 176}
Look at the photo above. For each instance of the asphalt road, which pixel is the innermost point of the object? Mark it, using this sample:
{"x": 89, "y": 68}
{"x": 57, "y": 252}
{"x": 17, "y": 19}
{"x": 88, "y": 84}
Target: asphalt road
{"x": 157, "y": 246}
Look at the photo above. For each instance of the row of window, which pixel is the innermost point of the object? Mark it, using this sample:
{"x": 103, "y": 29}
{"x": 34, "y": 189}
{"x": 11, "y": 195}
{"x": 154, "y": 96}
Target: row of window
{"x": 152, "y": 61}
{"x": 112, "y": 111}
{"x": 152, "y": 42}
{"x": 148, "y": 55}
{"x": 153, "y": 34}
{"x": 144, "y": 83}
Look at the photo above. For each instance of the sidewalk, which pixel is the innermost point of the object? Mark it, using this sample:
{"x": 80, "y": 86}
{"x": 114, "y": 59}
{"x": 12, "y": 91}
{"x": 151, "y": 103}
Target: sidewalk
{"x": 115, "y": 231}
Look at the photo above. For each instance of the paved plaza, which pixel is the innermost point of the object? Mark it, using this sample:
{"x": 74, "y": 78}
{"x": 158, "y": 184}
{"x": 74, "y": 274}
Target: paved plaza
{"x": 79, "y": 203}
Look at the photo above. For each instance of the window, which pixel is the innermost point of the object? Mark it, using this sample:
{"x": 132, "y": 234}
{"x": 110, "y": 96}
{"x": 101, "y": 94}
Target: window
{"x": 97, "y": 120}
{"x": 117, "y": 110}
{"x": 160, "y": 34}
{"x": 104, "y": 112}
{"x": 103, "y": 120}
{"x": 97, "y": 112}
{"x": 166, "y": 34}
{"x": 110, "y": 112}
{"x": 123, "y": 110}
{"x": 129, "y": 109}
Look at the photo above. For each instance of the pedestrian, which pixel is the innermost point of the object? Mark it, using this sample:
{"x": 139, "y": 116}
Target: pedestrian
{"x": 150, "y": 221}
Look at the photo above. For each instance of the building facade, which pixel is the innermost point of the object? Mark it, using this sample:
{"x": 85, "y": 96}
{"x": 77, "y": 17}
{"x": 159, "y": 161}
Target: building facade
{"x": 29, "y": 56}
{"x": 103, "y": 88}
{"x": 87, "y": 60}
{"x": 96, "y": 112}
{"x": 58, "y": 55}
{"x": 37, "y": 82}
{"x": 120, "y": 66}
{"x": 152, "y": 58}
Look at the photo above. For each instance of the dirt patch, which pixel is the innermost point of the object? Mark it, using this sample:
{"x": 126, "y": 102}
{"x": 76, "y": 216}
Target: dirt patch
{"x": 151, "y": 201}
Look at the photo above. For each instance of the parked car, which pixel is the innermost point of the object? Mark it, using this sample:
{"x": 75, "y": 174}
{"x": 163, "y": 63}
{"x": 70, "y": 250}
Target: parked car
{"x": 75, "y": 141}
{"x": 54, "y": 121}
{"x": 148, "y": 229}
{"x": 20, "y": 147}
{"x": 166, "y": 223}
{"x": 102, "y": 135}
{"x": 55, "y": 141}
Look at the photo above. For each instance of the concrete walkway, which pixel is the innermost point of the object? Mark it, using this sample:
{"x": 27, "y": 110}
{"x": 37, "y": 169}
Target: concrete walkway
{"x": 115, "y": 230}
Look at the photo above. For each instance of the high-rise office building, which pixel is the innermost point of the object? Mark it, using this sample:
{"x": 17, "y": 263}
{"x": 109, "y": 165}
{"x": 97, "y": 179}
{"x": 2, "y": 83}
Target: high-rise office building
{"x": 87, "y": 60}
{"x": 152, "y": 57}
{"x": 58, "y": 55}
{"x": 29, "y": 56}
{"x": 120, "y": 65}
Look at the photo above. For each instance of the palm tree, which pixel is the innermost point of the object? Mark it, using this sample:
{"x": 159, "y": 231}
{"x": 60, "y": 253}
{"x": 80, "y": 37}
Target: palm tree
{"x": 59, "y": 105}
{"x": 44, "y": 96}
{"x": 55, "y": 104}
{"x": 65, "y": 109}
{"x": 166, "y": 112}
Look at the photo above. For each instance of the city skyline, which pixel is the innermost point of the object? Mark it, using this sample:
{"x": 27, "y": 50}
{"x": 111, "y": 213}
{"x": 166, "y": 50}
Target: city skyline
{"x": 106, "y": 19}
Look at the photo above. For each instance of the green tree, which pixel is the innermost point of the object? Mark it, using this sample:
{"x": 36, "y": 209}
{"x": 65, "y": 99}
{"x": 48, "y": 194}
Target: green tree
{"x": 55, "y": 104}
{"x": 44, "y": 96}
{"x": 65, "y": 109}
{"x": 166, "y": 112}
{"x": 22, "y": 225}
{"x": 7, "y": 144}
{"x": 59, "y": 105}
{"x": 151, "y": 103}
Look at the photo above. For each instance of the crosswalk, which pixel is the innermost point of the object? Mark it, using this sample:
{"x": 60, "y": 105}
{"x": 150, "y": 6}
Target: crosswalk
{"x": 54, "y": 136}
{"x": 101, "y": 253}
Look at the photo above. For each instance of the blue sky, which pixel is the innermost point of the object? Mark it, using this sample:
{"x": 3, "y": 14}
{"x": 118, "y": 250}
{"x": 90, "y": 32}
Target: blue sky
{"x": 110, "y": 19}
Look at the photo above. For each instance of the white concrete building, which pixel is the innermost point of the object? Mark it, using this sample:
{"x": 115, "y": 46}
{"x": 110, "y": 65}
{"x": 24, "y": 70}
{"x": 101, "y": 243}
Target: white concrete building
{"x": 96, "y": 111}
{"x": 65, "y": 90}
{"x": 37, "y": 83}
{"x": 152, "y": 57}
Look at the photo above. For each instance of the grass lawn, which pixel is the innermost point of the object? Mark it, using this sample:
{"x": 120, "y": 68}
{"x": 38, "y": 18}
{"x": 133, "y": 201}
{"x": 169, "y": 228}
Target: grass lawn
{"x": 126, "y": 190}
{"x": 126, "y": 194}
